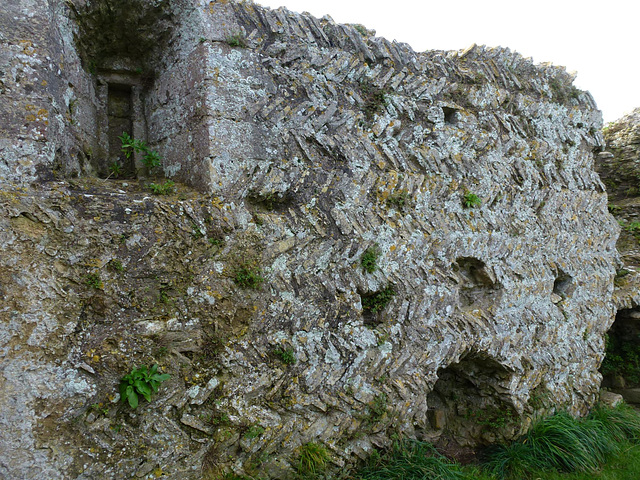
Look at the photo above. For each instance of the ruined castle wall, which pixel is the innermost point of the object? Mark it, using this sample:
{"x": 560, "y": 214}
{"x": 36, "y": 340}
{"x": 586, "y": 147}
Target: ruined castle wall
{"x": 470, "y": 173}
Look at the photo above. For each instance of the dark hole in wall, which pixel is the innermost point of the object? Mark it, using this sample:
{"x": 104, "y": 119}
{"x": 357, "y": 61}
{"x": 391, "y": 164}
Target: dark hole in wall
{"x": 563, "y": 284}
{"x": 120, "y": 119}
{"x": 476, "y": 285}
{"x": 468, "y": 403}
{"x": 621, "y": 366}
{"x": 450, "y": 114}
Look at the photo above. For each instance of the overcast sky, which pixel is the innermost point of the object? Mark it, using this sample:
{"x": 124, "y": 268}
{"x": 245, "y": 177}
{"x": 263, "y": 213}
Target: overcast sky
{"x": 599, "y": 40}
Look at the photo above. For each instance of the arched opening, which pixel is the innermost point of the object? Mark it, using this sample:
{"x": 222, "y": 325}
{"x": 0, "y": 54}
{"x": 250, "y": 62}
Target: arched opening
{"x": 621, "y": 366}
{"x": 470, "y": 403}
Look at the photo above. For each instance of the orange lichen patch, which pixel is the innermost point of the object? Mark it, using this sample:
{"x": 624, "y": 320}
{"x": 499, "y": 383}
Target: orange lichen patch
{"x": 27, "y": 47}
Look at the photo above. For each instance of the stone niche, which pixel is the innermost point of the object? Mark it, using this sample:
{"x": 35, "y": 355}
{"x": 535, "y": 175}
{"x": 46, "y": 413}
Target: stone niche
{"x": 121, "y": 109}
{"x": 621, "y": 367}
{"x": 470, "y": 403}
{"x": 121, "y": 45}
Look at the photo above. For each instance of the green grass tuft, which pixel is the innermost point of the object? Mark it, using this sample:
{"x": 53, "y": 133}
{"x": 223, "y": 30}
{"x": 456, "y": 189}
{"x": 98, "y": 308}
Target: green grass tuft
{"x": 313, "y": 459}
{"x": 564, "y": 444}
{"x": 410, "y": 460}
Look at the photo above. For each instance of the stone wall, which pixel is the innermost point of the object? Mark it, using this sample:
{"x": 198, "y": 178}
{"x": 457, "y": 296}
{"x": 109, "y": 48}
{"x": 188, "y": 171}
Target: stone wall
{"x": 300, "y": 146}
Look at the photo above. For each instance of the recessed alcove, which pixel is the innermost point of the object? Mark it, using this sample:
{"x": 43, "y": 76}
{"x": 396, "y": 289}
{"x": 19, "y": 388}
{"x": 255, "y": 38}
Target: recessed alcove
{"x": 450, "y": 115}
{"x": 121, "y": 44}
{"x": 470, "y": 403}
{"x": 621, "y": 366}
{"x": 563, "y": 285}
{"x": 120, "y": 109}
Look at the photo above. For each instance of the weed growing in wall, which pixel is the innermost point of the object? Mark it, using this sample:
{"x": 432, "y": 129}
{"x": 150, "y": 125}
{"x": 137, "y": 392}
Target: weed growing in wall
{"x": 166, "y": 188}
{"x": 93, "y": 280}
{"x": 377, "y": 408}
{"x": 254, "y": 432}
{"x": 369, "y": 259}
{"x": 287, "y": 356}
{"x": 150, "y": 158}
{"x": 375, "y": 99}
{"x": 143, "y": 382}
{"x": 248, "y": 276}
{"x": 236, "y": 40}
{"x": 377, "y": 301}
{"x": 116, "y": 265}
{"x": 471, "y": 200}
{"x": 399, "y": 200}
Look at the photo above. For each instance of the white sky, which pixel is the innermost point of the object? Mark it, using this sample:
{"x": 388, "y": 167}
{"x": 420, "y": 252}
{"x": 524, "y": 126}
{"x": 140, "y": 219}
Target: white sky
{"x": 599, "y": 40}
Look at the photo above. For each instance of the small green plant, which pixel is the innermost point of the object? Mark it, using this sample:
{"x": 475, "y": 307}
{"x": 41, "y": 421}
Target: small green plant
{"x": 93, "y": 280}
{"x": 258, "y": 220}
{"x": 216, "y": 242}
{"x": 377, "y": 408}
{"x": 613, "y": 209}
{"x": 166, "y": 188}
{"x": 254, "y": 432}
{"x": 398, "y": 200}
{"x": 248, "y": 276}
{"x": 100, "y": 408}
{"x": 196, "y": 231}
{"x": 116, "y": 169}
{"x": 143, "y": 382}
{"x": 377, "y": 301}
{"x": 369, "y": 259}
{"x": 313, "y": 459}
{"x": 375, "y": 99}
{"x": 116, "y": 265}
{"x": 471, "y": 200}
{"x": 237, "y": 40}
{"x": 286, "y": 355}
{"x": 150, "y": 157}
{"x": 361, "y": 29}
{"x": 220, "y": 419}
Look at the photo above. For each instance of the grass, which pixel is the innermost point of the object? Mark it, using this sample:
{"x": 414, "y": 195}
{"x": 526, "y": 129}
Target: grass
{"x": 313, "y": 459}
{"x": 563, "y": 444}
{"x": 605, "y": 445}
{"x": 410, "y": 460}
